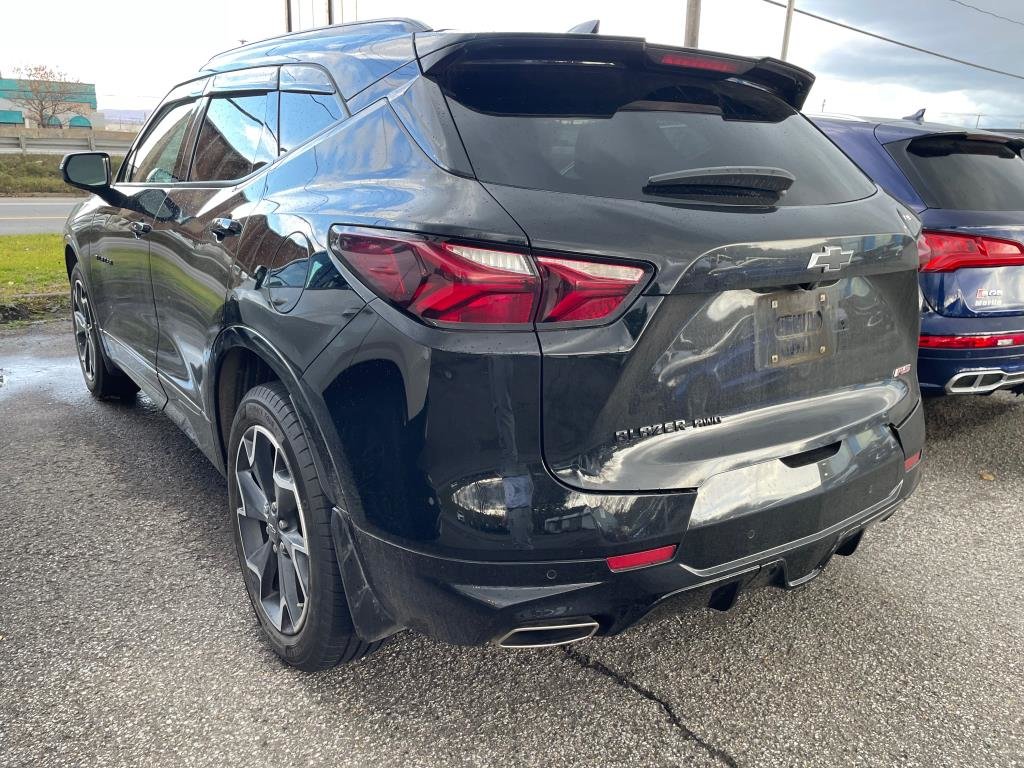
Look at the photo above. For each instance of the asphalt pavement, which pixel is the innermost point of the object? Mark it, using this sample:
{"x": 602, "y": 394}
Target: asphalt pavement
{"x": 32, "y": 215}
{"x": 126, "y": 638}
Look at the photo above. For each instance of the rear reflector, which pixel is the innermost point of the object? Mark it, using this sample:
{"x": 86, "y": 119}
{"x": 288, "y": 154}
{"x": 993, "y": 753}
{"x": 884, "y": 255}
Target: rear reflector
{"x": 949, "y": 251}
{"x": 642, "y": 559}
{"x": 912, "y": 461}
{"x": 972, "y": 342}
{"x": 455, "y": 283}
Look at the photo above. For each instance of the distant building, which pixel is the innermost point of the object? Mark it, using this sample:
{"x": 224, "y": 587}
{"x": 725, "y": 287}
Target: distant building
{"x": 12, "y": 114}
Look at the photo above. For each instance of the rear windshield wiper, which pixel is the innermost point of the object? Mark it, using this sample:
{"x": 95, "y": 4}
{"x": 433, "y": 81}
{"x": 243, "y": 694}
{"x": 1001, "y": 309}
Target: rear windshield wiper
{"x": 730, "y": 185}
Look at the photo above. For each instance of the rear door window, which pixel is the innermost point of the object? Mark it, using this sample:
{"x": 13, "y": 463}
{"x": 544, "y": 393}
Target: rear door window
{"x": 604, "y": 130}
{"x": 962, "y": 174}
{"x": 238, "y": 136}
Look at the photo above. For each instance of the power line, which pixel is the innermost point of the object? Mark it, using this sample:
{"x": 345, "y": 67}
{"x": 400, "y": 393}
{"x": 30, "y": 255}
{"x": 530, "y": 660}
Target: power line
{"x": 988, "y": 13}
{"x": 885, "y": 39}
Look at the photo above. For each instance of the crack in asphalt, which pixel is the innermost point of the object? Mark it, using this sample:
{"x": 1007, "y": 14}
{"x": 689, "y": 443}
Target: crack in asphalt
{"x": 587, "y": 662}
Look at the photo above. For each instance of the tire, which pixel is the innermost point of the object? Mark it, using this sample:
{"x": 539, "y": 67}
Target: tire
{"x": 268, "y": 449}
{"x": 102, "y": 377}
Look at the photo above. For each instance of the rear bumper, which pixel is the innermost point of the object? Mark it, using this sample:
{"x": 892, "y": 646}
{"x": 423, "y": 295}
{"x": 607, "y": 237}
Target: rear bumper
{"x": 473, "y": 602}
{"x": 969, "y": 371}
{"x": 956, "y": 372}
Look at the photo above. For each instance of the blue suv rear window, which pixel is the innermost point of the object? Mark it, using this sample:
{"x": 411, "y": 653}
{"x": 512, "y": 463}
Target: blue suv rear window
{"x": 959, "y": 174}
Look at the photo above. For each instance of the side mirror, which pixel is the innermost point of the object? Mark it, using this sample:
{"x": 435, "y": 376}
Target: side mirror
{"x": 87, "y": 170}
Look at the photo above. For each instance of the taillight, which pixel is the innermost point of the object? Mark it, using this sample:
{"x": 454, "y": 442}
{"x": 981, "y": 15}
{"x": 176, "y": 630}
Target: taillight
{"x": 924, "y": 252}
{"x": 577, "y": 290}
{"x": 449, "y": 282}
{"x": 984, "y": 341}
{"x": 948, "y": 251}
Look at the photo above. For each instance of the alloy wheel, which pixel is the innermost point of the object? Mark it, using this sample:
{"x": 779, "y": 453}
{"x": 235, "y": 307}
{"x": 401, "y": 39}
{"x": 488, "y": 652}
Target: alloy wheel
{"x": 272, "y": 529}
{"x": 85, "y": 339}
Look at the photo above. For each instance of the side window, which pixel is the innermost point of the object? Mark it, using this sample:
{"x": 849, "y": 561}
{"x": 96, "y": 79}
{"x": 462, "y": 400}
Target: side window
{"x": 237, "y": 137}
{"x": 158, "y": 157}
{"x": 304, "y": 114}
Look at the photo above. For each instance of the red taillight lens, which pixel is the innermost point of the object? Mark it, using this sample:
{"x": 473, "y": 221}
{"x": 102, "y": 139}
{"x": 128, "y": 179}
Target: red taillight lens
{"x": 584, "y": 290}
{"x": 947, "y": 251}
{"x": 641, "y": 559}
{"x": 924, "y": 251}
{"x": 447, "y": 282}
{"x": 972, "y": 342}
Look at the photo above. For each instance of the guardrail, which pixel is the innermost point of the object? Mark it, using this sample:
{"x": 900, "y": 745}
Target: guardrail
{"x": 61, "y": 141}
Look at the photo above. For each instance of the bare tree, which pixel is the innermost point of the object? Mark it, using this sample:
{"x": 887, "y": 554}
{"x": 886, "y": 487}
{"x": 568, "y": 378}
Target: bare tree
{"x": 46, "y": 94}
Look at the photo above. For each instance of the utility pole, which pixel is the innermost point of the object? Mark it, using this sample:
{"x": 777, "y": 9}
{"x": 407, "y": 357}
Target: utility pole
{"x": 692, "y": 23}
{"x": 785, "y": 30}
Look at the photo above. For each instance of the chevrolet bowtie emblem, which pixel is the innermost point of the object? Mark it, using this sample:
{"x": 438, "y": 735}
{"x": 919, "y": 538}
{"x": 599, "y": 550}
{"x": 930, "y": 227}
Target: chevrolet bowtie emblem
{"x": 831, "y": 258}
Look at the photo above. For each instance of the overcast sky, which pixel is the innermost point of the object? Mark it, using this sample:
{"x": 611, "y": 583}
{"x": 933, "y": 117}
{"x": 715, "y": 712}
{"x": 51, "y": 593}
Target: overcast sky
{"x": 134, "y": 51}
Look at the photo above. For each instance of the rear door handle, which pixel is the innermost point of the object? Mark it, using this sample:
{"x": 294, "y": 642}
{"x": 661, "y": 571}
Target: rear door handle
{"x": 140, "y": 228}
{"x": 222, "y": 228}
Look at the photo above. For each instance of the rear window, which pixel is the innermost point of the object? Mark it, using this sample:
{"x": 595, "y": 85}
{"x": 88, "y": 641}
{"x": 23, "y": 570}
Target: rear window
{"x": 963, "y": 174}
{"x": 604, "y": 129}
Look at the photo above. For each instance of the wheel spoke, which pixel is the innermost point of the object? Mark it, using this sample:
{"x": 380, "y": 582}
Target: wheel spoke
{"x": 91, "y": 349}
{"x": 263, "y": 563}
{"x": 80, "y": 324}
{"x": 291, "y": 600}
{"x": 262, "y": 462}
{"x": 254, "y": 501}
{"x": 295, "y": 545}
{"x": 284, "y": 495}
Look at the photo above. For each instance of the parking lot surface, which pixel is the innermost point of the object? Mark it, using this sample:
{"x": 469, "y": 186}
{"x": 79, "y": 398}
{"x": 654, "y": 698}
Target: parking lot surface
{"x": 126, "y": 637}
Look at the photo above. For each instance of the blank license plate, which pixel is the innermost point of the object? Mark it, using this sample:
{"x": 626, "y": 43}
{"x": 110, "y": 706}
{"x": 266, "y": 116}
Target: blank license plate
{"x": 794, "y": 327}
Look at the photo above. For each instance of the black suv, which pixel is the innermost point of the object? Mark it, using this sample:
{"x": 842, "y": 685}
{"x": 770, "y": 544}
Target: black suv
{"x": 505, "y": 338}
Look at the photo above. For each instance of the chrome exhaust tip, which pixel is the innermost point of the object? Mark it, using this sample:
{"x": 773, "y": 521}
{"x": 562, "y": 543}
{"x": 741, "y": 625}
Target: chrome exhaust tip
{"x": 549, "y": 635}
{"x": 983, "y": 381}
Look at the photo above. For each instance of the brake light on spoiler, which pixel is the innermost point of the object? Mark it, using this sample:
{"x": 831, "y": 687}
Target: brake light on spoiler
{"x": 950, "y": 251}
{"x": 695, "y": 61}
{"x": 454, "y": 283}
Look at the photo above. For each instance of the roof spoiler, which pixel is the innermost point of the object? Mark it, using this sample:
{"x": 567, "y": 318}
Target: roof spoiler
{"x": 1016, "y": 143}
{"x": 439, "y": 50}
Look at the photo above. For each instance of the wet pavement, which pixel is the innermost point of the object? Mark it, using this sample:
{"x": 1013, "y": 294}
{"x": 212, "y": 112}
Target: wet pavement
{"x": 126, "y": 637}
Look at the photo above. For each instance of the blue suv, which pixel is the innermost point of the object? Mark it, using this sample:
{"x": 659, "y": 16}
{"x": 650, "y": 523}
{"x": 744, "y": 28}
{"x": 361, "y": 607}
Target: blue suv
{"x": 968, "y": 189}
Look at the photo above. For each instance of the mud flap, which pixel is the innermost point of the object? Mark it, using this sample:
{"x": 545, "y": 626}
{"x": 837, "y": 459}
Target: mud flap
{"x": 369, "y": 618}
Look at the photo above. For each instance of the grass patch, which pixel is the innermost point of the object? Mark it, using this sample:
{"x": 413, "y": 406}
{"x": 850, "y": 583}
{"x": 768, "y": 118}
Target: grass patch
{"x": 36, "y": 173}
{"x": 31, "y": 265}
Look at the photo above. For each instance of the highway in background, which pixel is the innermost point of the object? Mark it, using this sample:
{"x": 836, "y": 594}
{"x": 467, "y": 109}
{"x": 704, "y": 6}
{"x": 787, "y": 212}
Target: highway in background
{"x": 32, "y": 215}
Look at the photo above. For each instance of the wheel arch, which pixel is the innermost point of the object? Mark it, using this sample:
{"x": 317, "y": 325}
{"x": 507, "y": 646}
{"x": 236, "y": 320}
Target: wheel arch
{"x": 241, "y": 359}
{"x": 70, "y": 257}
